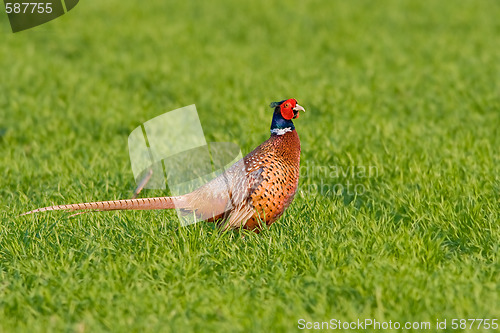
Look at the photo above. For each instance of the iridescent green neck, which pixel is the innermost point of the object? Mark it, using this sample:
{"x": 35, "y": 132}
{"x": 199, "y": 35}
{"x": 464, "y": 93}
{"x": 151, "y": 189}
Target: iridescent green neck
{"x": 279, "y": 122}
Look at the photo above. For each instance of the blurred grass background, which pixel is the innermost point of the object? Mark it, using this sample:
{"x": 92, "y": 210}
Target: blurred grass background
{"x": 410, "y": 88}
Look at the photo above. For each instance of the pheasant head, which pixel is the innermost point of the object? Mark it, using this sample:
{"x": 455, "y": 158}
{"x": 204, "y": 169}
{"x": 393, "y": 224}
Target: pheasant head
{"x": 284, "y": 112}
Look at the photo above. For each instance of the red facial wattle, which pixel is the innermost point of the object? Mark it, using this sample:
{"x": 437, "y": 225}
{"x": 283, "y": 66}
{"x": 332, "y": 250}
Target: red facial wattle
{"x": 286, "y": 109}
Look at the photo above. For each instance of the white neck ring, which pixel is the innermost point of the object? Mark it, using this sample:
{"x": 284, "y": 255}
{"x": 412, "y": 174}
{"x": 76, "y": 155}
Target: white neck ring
{"x": 281, "y": 131}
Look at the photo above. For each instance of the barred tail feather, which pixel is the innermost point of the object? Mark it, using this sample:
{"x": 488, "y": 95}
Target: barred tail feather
{"x": 127, "y": 204}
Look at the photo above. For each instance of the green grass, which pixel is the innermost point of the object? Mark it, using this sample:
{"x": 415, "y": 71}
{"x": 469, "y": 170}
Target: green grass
{"x": 408, "y": 88}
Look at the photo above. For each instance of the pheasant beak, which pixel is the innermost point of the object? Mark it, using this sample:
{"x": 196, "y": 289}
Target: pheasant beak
{"x": 296, "y": 110}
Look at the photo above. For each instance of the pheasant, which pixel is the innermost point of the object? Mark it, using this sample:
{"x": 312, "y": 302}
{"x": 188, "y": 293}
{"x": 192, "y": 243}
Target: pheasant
{"x": 257, "y": 189}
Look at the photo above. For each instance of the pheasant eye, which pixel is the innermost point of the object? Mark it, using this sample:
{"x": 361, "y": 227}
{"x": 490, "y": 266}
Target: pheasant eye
{"x": 287, "y": 105}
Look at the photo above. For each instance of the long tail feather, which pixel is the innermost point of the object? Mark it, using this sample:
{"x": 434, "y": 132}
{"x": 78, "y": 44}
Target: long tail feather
{"x": 127, "y": 204}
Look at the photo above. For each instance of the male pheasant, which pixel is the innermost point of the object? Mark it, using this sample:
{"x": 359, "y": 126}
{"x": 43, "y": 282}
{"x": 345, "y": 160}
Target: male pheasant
{"x": 257, "y": 188}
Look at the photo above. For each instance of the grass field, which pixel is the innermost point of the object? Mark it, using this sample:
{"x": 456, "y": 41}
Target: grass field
{"x": 397, "y": 215}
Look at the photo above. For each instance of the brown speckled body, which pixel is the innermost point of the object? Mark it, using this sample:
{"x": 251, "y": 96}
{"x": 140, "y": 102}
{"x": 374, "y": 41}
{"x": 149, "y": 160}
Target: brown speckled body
{"x": 279, "y": 158}
{"x": 255, "y": 190}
